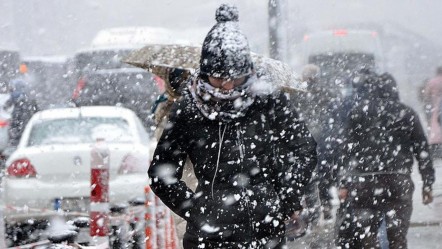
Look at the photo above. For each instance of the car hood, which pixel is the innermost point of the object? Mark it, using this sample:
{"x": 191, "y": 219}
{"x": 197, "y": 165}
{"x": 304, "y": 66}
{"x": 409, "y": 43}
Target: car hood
{"x": 63, "y": 162}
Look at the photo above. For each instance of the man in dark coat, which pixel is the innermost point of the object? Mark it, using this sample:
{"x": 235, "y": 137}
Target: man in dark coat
{"x": 384, "y": 137}
{"x": 251, "y": 155}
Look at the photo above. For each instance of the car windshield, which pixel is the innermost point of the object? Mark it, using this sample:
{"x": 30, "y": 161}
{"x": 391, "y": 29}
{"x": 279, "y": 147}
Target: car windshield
{"x": 80, "y": 130}
{"x": 360, "y": 41}
{"x": 341, "y": 65}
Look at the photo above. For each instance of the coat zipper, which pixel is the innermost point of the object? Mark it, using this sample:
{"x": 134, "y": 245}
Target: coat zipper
{"x": 240, "y": 143}
{"x": 221, "y": 139}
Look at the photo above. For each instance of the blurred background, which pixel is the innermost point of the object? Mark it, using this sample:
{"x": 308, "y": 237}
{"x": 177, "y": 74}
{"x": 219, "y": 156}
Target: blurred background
{"x": 409, "y": 30}
{"x": 71, "y": 52}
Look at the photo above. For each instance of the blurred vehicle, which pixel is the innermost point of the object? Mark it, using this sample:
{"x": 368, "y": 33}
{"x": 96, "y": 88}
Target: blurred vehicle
{"x": 133, "y": 88}
{"x": 9, "y": 65}
{"x": 339, "y": 53}
{"x": 51, "y": 166}
{"x": 102, "y": 79}
{"x": 99, "y": 77}
{"x": 5, "y": 115}
{"x": 88, "y": 61}
{"x": 144, "y": 35}
{"x": 109, "y": 46}
{"x": 93, "y": 59}
{"x": 48, "y": 79}
{"x": 135, "y": 35}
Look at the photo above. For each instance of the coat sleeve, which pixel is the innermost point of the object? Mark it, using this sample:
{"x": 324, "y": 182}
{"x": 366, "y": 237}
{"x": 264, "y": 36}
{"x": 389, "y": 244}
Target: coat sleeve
{"x": 295, "y": 155}
{"x": 166, "y": 170}
{"x": 422, "y": 152}
{"x": 351, "y": 133}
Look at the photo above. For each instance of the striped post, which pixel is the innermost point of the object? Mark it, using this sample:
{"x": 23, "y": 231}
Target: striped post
{"x": 168, "y": 228}
{"x": 149, "y": 217}
{"x": 99, "y": 208}
{"x": 173, "y": 234}
{"x": 160, "y": 222}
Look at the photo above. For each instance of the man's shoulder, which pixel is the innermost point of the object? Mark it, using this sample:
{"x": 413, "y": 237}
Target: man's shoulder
{"x": 184, "y": 108}
{"x": 409, "y": 110}
{"x": 182, "y": 105}
{"x": 401, "y": 112}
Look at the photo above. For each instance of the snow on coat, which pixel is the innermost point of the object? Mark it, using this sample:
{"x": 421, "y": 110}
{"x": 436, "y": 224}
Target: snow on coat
{"x": 251, "y": 171}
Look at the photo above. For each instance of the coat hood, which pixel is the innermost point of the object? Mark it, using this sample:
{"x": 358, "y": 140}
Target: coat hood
{"x": 374, "y": 86}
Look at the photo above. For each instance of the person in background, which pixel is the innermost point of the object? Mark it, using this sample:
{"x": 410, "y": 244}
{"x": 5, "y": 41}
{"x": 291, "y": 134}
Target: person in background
{"x": 384, "y": 136}
{"x": 433, "y": 94}
{"x": 313, "y": 108}
{"x": 24, "y": 106}
{"x": 425, "y": 99}
{"x": 251, "y": 156}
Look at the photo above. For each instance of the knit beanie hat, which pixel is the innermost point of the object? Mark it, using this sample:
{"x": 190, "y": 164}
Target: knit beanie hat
{"x": 225, "y": 52}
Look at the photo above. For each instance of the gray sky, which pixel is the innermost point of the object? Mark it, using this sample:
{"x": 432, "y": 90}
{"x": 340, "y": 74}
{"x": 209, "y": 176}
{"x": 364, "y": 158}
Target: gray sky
{"x": 47, "y": 27}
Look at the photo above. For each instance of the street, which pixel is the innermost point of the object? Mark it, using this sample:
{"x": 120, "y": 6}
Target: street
{"x": 426, "y": 221}
{"x": 424, "y": 237}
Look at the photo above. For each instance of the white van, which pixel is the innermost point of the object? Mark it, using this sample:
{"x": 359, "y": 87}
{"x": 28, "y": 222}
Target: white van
{"x": 339, "y": 53}
{"x": 143, "y": 35}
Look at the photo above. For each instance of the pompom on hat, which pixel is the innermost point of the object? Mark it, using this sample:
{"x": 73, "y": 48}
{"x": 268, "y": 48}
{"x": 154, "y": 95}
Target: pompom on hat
{"x": 226, "y": 52}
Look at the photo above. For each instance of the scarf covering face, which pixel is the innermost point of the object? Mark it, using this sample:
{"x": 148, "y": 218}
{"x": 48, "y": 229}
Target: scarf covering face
{"x": 223, "y": 105}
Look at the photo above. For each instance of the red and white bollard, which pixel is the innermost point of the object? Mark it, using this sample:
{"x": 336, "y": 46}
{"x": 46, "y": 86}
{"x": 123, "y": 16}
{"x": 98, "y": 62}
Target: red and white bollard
{"x": 160, "y": 213}
{"x": 169, "y": 230}
{"x": 150, "y": 219}
{"x": 99, "y": 209}
{"x": 171, "y": 233}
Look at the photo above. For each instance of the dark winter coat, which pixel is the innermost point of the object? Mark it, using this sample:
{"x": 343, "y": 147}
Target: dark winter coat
{"x": 384, "y": 136}
{"x": 244, "y": 191}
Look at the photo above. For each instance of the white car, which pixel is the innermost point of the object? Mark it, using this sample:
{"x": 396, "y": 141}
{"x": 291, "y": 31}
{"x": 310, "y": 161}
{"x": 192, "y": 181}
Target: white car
{"x": 51, "y": 167}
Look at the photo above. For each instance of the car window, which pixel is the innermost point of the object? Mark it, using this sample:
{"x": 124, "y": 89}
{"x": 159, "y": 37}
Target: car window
{"x": 343, "y": 50}
{"x": 81, "y": 130}
{"x": 98, "y": 60}
{"x": 340, "y": 54}
{"x": 341, "y": 65}
{"x": 352, "y": 42}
